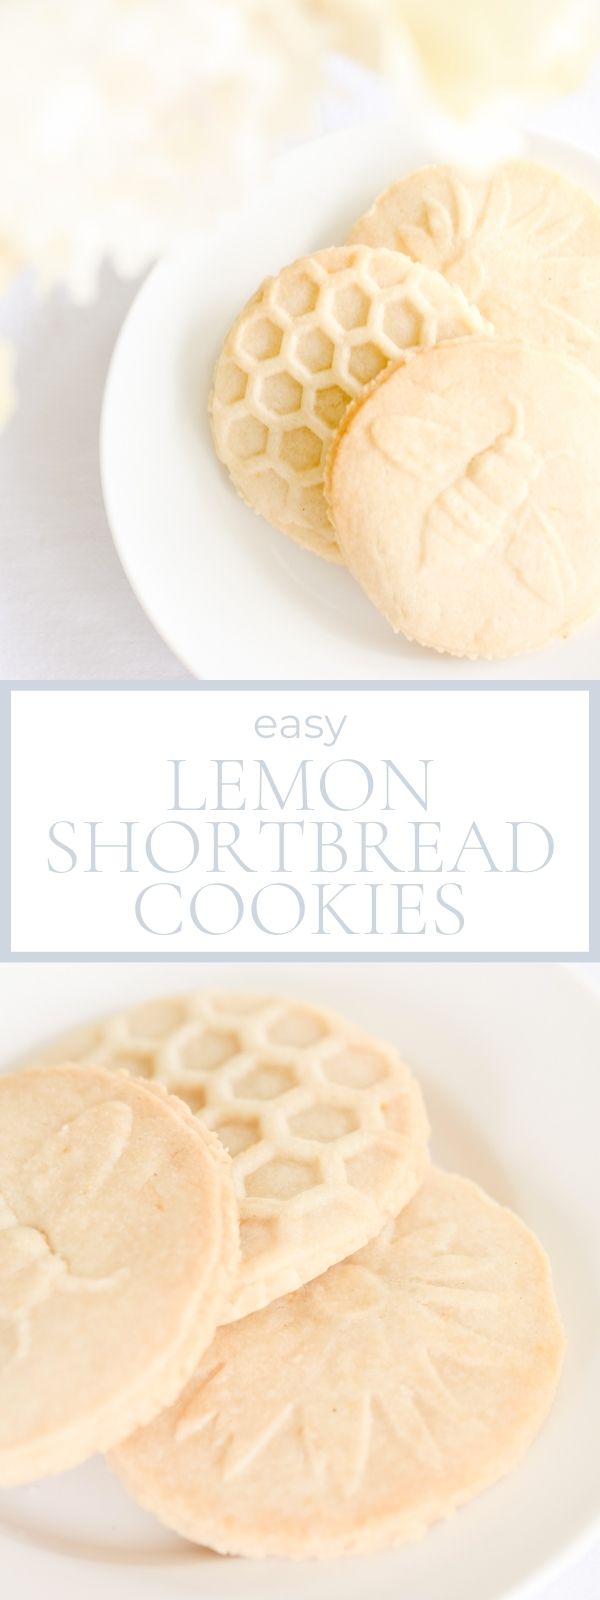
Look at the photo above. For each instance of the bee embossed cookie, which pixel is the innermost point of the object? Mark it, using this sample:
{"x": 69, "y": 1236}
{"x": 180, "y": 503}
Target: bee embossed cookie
{"x": 523, "y": 242}
{"x": 358, "y": 1411}
{"x": 465, "y": 493}
{"x": 118, "y": 1244}
{"x": 326, "y": 1125}
{"x": 310, "y": 341}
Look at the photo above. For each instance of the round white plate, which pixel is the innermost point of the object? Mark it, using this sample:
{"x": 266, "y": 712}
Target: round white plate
{"x": 232, "y": 597}
{"x": 508, "y": 1057}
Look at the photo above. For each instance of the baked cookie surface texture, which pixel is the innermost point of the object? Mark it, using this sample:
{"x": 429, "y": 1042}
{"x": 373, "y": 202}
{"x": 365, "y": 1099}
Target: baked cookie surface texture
{"x": 522, "y": 241}
{"x": 325, "y": 1125}
{"x": 118, "y": 1243}
{"x": 358, "y": 1411}
{"x": 310, "y": 341}
{"x": 465, "y": 493}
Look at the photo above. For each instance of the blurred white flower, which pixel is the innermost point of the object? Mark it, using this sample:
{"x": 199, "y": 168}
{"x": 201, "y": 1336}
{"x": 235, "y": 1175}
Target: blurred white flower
{"x": 125, "y": 123}
{"x": 472, "y": 52}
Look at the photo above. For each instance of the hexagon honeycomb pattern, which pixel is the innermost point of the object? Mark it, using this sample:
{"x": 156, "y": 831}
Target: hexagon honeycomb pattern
{"x": 325, "y": 1126}
{"x": 309, "y": 343}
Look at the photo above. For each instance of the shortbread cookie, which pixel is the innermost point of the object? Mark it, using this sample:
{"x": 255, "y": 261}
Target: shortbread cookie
{"x": 355, "y": 1413}
{"x": 522, "y": 242}
{"x": 118, "y": 1244}
{"x": 325, "y": 1125}
{"x": 310, "y": 341}
{"x": 465, "y": 492}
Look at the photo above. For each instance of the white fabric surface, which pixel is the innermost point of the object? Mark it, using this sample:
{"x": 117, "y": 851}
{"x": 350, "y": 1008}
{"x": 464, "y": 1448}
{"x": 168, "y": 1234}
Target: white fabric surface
{"x": 66, "y": 608}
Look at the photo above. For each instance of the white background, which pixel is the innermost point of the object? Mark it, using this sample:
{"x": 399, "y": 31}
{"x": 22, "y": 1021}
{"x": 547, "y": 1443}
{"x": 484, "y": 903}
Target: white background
{"x": 496, "y": 756}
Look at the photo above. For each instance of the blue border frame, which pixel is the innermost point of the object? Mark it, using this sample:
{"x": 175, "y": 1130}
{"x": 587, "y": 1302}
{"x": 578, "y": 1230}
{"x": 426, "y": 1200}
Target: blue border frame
{"x": 7, "y": 688}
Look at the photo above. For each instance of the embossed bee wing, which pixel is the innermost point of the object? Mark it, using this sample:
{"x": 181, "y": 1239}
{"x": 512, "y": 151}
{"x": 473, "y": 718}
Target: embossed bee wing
{"x": 7, "y": 1217}
{"x": 538, "y": 556}
{"x": 28, "y": 1272}
{"x": 412, "y": 443}
{"x": 83, "y": 1153}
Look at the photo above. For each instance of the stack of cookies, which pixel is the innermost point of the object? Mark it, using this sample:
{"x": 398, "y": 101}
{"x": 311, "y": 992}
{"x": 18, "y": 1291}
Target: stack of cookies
{"x": 423, "y": 404}
{"x": 226, "y": 1258}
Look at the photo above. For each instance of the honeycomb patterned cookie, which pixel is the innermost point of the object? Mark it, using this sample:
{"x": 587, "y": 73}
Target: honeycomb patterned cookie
{"x": 310, "y": 341}
{"x": 325, "y": 1126}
